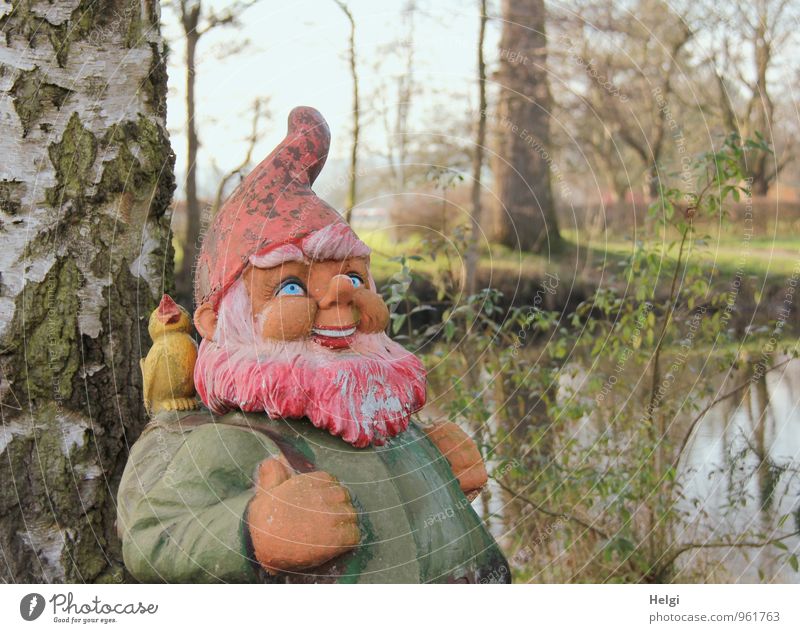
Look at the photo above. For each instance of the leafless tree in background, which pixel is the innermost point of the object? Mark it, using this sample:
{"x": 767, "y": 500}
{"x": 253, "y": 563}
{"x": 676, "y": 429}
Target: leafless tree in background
{"x": 753, "y": 37}
{"x": 405, "y": 92}
{"x": 640, "y": 85}
{"x": 351, "y": 192}
{"x": 477, "y": 162}
{"x": 197, "y": 22}
{"x": 633, "y": 60}
{"x": 259, "y": 113}
{"x": 393, "y": 96}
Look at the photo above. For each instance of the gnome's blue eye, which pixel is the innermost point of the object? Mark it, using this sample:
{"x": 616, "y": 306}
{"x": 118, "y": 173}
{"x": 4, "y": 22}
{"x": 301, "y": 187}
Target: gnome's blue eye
{"x": 291, "y": 287}
{"x": 356, "y": 279}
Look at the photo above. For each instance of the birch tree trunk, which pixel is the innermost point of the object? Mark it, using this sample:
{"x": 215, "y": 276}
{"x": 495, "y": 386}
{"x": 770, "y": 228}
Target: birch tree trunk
{"x": 85, "y": 180}
{"x": 523, "y": 216}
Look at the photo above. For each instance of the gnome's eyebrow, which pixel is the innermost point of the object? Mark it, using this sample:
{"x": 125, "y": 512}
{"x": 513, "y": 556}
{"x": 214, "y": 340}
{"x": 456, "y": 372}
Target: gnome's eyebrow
{"x": 278, "y": 256}
{"x": 335, "y": 241}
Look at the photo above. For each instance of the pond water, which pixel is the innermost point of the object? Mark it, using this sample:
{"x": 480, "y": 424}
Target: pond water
{"x": 749, "y": 443}
{"x": 745, "y": 447}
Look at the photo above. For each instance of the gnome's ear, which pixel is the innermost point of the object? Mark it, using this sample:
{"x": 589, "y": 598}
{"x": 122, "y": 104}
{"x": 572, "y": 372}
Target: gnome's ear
{"x": 205, "y": 321}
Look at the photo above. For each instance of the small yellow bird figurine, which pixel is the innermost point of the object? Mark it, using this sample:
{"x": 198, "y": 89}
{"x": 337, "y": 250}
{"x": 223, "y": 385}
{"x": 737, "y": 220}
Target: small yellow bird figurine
{"x": 168, "y": 369}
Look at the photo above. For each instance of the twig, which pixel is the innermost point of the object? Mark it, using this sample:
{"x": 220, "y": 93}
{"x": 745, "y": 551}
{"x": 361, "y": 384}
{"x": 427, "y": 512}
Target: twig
{"x": 667, "y": 318}
{"x": 351, "y": 191}
{"x": 551, "y": 513}
{"x": 252, "y": 141}
{"x": 716, "y": 544}
{"x": 713, "y": 403}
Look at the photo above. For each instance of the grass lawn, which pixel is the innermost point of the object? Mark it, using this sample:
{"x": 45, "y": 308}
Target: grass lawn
{"x": 768, "y": 259}
{"x": 759, "y": 256}
{"x": 763, "y": 256}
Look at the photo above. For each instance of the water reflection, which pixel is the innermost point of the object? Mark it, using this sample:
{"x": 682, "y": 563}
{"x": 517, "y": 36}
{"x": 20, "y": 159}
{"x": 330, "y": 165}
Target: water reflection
{"x": 738, "y": 469}
{"x": 747, "y": 444}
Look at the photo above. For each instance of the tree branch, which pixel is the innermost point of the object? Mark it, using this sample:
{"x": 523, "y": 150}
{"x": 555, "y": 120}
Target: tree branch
{"x": 551, "y": 513}
{"x": 351, "y": 194}
{"x": 673, "y": 556}
{"x": 228, "y": 17}
{"x": 252, "y": 140}
{"x": 712, "y": 404}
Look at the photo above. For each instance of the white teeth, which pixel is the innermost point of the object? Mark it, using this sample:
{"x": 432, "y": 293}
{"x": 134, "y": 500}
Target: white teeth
{"x": 334, "y": 333}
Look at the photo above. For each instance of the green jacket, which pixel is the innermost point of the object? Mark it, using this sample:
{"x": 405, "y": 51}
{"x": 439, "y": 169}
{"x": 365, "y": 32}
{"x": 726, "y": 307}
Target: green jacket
{"x": 185, "y": 490}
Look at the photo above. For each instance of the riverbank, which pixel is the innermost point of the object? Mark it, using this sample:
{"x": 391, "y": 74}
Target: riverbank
{"x": 757, "y": 276}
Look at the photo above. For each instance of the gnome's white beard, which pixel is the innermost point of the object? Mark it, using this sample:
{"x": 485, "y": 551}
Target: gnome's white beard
{"x": 363, "y": 394}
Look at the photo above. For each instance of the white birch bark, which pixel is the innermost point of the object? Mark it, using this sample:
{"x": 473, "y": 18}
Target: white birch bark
{"x": 85, "y": 180}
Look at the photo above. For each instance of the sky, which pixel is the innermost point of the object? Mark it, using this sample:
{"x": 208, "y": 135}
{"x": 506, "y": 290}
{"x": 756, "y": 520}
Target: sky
{"x": 298, "y": 56}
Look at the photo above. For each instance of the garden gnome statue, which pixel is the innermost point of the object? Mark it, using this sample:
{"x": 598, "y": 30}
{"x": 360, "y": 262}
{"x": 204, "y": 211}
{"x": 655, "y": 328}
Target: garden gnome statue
{"x": 305, "y": 465}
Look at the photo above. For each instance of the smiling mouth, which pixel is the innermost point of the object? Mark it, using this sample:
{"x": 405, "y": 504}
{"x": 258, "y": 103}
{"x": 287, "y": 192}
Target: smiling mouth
{"x": 334, "y": 337}
{"x": 334, "y": 332}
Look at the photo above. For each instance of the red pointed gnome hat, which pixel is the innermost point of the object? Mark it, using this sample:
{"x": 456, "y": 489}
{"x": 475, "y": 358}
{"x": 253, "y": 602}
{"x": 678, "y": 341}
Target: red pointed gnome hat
{"x": 272, "y": 207}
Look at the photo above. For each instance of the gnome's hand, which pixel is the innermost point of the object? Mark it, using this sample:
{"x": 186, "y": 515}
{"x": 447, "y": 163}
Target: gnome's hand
{"x": 463, "y": 454}
{"x": 298, "y": 522}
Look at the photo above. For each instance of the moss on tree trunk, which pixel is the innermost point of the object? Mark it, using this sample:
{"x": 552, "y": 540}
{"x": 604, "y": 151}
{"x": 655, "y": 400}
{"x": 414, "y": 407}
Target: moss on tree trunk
{"x": 86, "y": 256}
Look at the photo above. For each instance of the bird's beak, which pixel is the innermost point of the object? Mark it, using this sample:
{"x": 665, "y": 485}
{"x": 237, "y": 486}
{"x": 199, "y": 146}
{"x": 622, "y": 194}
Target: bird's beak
{"x": 168, "y": 311}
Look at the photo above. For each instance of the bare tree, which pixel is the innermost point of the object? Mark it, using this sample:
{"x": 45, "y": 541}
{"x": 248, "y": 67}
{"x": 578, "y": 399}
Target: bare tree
{"x": 259, "y": 113}
{"x": 649, "y": 83}
{"x": 197, "y": 22}
{"x": 477, "y": 161}
{"x": 393, "y": 94}
{"x": 630, "y": 59}
{"x": 405, "y": 92}
{"x": 524, "y": 216}
{"x": 351, "y": 193}
{"x": 745, "y": 96}
{"x": 85, "y": 184}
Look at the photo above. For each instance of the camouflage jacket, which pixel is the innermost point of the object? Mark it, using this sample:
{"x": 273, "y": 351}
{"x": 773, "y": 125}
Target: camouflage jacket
{"x": 185, "y": 491}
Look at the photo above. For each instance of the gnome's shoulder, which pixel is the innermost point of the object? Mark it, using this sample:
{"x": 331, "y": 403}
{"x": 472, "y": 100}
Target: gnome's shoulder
{"x": 206, "y": 438}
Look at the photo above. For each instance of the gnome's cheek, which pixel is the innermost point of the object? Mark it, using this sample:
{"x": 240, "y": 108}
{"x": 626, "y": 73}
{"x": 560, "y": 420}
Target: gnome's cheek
{"x": 287, "y": 318}
{"x": 373, "y": 315}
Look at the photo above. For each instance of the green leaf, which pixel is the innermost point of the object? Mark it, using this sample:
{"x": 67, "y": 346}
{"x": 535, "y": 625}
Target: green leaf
{"x": 397, "y": 322}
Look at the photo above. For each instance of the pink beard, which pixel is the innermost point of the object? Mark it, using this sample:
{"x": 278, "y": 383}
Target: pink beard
{"x": 364, "y": 394}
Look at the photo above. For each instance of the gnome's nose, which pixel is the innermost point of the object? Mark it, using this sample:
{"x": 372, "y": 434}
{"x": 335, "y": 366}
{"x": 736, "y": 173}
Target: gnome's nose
{"x": 340, "y": 293}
